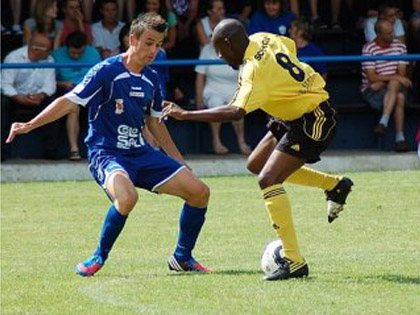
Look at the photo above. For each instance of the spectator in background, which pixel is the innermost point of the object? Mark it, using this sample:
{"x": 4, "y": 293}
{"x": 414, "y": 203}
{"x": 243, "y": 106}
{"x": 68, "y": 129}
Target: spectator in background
{"x": 239, "y": 9}
{"x": 16, "y": 8}
{"x": 215, "y": 13}
{"x": 271, "y": 17}
{"x": 301, "y": 33}
{"x": 87, "y": 6}
{"x": 186, "y": 12}
{"x": 385, "y": 83}
{"x": 215, "y": 86}
{"x": 313, "y": 5}
{"x": 130, "y": 8}
{"x": 389, "y": 12}
{"x": 45, "y": 21}
{"x": 415, "y": 26}
{"x": 159, "y": 6}
{"x": 76, "y": 51}
{"x": 74, "y": 21}
{"x": 29, "y": 89}
{"x": 106, "y": 32}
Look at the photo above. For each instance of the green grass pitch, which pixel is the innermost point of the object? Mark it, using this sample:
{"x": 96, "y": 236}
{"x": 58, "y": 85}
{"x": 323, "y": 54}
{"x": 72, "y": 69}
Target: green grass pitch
{"x": 366, "y": 262}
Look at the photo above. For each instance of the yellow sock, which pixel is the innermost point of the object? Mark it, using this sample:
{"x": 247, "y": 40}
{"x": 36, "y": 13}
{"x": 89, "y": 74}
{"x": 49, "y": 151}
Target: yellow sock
{"x": 306, "y": 176}
{"x": 278, "y": 206}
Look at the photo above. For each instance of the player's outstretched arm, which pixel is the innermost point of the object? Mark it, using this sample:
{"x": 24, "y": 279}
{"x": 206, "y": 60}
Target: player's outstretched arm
{"x": 218, "y": 114}
{"x": 57, "y": 109}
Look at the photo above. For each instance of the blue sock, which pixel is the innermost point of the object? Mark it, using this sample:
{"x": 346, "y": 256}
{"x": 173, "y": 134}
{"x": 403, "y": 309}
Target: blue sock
{"x": 190, "y": 223}
{"x": 112, "y": 227}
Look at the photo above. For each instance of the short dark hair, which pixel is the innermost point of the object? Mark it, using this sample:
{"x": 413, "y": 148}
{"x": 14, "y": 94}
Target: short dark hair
{"x": 303, "y": 24}
{"x": 77, "y": 40}
{"x": 150, "y": 20}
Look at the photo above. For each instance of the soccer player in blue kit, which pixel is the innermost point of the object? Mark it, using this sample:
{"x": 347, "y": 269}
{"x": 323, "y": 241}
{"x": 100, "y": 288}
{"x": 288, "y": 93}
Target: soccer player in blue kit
{"x": 122, "y": 94}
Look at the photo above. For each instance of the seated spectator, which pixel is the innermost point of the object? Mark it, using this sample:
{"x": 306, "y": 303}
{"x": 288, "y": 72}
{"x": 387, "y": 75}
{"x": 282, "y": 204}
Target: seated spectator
{"x": 159, "y": 7}
{"x": 74, "y": 21}
{"x": 215, "y": 86}
{"x": 29, "y": 89}
{"x": 44, "y": 20}
{"x": 415, "y": 26}
{"x": 75, "y": 51}
{"x": 301, "y": 33}
{"x": 272, "y": 18}
{"x": 215, "y": 13}
{"x": 106, "y": 32}
{"x": 389, "y": 12}
{"x": 385, "y": 83}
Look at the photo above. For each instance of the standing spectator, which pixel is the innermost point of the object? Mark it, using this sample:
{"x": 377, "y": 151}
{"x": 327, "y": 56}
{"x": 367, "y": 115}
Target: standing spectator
{"x": 415, "y": 26}
{"x": 385, "y": 83}
{"x": 16, "y": 7}
{"x": 130, "y": 8}
{"x": 75, "y": 51}
{"x": 74, "y": 21}
{"x": 87, "y": 9}
{"x": 158, "y": 6}
{"x": 389, "y": 12}
{"x": 215, "y": 13}
{"x": 271, "y": 17}
{"x": 186, "y": 12}
{"x": 301, "y": 33}
{"x": 29, "y": 89}
{"x": 106, "y": 32}
{"x": 313, "y": 5}
{"x": 45, "y": 21}
{"x": 215, "y": 86}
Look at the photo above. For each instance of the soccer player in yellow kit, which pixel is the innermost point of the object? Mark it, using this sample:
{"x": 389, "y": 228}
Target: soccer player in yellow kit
{"x": 304, "y": 123}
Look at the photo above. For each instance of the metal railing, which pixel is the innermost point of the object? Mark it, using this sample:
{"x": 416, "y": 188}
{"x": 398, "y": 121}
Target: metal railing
{"x": 193, "y": 62}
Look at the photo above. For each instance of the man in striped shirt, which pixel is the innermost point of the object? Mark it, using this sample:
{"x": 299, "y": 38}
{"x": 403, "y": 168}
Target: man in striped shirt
{"x": 385, "y": 83}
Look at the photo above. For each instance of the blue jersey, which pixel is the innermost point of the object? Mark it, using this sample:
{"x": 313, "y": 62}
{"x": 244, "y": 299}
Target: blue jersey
{"x": 118, "y": 101}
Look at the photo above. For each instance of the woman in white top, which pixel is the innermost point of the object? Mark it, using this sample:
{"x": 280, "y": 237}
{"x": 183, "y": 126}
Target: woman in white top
{"x": 215, "y": 13}
{"x": 215, "y": 86}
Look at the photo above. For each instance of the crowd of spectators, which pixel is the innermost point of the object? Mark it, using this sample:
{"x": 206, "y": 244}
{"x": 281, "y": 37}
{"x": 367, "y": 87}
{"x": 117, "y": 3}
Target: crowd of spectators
{"x": 73, "y": 31}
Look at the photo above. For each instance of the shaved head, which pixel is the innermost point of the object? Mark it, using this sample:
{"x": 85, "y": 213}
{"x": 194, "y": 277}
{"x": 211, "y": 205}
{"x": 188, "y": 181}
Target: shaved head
{"x": 228, "y": 28}
{"x": 384, "y": 31}
{"x": 230, "y": 41}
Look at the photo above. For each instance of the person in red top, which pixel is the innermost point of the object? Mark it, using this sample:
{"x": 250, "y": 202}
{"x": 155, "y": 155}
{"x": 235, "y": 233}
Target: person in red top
{"x": 74, "y": 20}
{"x": 385, "y": 83}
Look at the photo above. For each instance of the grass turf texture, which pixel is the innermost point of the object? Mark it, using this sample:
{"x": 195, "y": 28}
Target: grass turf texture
{"x": 367, "y": 262}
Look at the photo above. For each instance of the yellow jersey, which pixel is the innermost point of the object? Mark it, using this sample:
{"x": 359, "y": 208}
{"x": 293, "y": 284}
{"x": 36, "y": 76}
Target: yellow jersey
{"x": 274, "y": 80}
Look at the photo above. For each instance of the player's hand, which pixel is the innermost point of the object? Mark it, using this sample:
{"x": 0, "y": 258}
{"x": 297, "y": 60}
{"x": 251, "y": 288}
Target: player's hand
{"x": 171, "y": 110}
{"x": 17, "y": 129}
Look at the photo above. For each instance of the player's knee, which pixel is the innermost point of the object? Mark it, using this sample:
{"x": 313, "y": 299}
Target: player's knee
{"x": 253, "y": 166}
{"x": 127, "y": 201}
{"x": 266, "y": 180}
{"x": 200, "y": 196}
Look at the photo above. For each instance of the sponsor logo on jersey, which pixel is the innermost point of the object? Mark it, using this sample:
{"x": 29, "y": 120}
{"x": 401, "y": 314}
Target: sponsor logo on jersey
{"x": 136, "y": 94}
{"x": 264, "y": 45}
{"x": 119, "y": 106}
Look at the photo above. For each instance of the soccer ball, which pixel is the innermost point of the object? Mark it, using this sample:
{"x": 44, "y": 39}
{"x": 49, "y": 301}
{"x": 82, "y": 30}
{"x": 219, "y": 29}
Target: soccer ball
{"x": 272, "y": 256}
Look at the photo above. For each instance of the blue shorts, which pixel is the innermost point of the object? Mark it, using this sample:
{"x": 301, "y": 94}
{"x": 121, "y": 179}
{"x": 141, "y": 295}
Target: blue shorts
{"x": 147, "y": 169}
